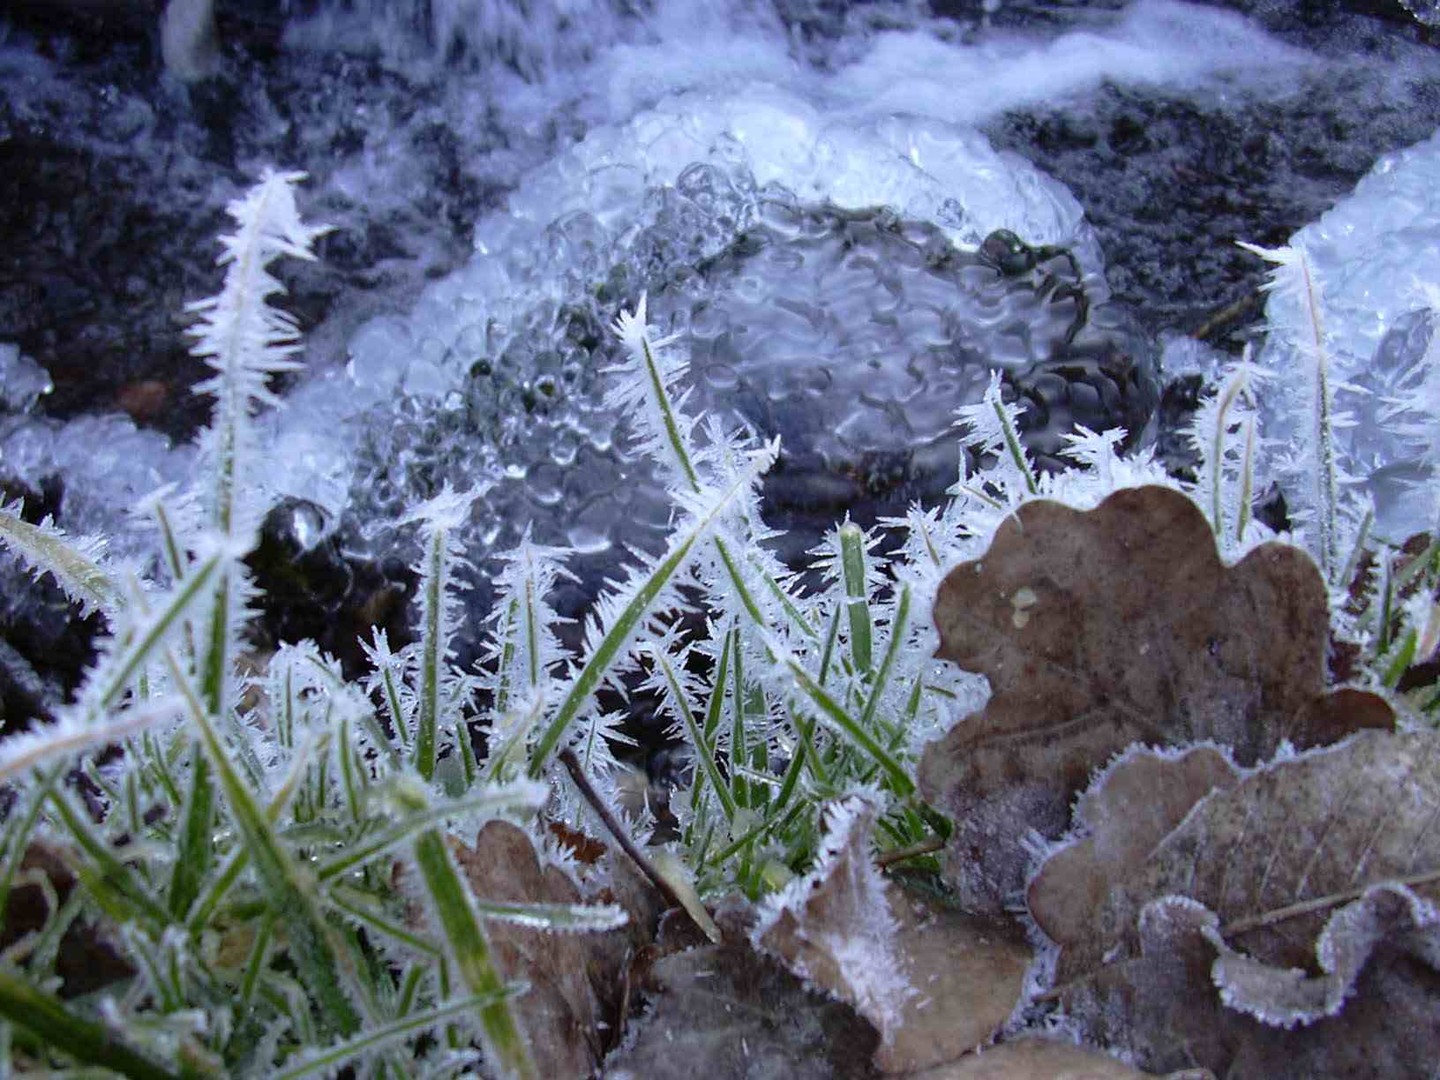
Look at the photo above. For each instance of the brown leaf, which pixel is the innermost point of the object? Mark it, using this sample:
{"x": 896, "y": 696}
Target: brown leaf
{"x": 726, "y": 1012}
{"x": 969, "y": 973}
{"x": 560, "y": 1014}
{"x": 88, "y": 957}
{"x": 1122, "y": 817}
{"x": 935, "y": 983}
{"x": 1164, "y": 1009}
{"x": 834, "y": 927}
{"x": 1286, "y": 924}
{"x": 1103, "y": 628}
{"x": 1035, "y": 1059}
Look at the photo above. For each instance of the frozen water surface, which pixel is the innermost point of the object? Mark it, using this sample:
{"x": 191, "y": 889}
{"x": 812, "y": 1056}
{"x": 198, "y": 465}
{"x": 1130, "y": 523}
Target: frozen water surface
{"x": 700, "y": 124}
{"x": 1373, "y": 255}
{"x": 700, "y": 128}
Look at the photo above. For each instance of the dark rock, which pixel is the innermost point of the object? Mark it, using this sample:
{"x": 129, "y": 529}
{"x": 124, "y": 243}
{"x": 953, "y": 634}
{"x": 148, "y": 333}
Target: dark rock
{"x": 1170, "y": 183}
{"x": 1338, "y": 24}
{"x": 318, "y": 588}
{"x": 114, "y": 180}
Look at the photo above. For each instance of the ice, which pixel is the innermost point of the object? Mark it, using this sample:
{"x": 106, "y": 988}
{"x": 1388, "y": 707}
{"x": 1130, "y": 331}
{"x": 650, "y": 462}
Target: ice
{"x": 1372, "y": 254}
{"x": 108, "y": 466}
{"x": 22, "y": 381}
{"x": 1426, "y": 11}
{"x": 692, "y": 126}
{"x": 491, "y": 371}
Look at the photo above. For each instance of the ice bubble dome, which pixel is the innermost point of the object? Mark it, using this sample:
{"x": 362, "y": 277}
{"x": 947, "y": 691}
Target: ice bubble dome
{"x": 710, "y": 205}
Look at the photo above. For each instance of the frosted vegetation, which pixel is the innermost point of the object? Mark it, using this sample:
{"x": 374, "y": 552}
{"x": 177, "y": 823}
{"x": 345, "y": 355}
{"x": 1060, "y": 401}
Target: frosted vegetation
{"x": 276, "y": 858}
{"x": 253, "y": 822}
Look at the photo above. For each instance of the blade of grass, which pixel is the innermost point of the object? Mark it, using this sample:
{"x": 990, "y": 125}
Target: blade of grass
{"x": 857, "y": 599}
{"x": 516, "y": 798}
{"x": 326, "y": 1062}
{"x": 312, "y": 943}
{"x": 614, "y": 640}
{"x": 81, "y": 1039}
{"x": 704, "y": 751}
{"x": 453, "y": 906}
{"x": 848, "y": 726}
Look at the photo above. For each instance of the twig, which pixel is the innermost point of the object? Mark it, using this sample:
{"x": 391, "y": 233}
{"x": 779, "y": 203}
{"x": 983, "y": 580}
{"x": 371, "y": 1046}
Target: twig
{"x": 924, "y": 847}
{"x": 617, "y": 830}
{"x": 1320, "y": 903}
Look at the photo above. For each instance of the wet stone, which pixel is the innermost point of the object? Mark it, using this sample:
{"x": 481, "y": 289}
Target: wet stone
{"x": 320, "y": 584}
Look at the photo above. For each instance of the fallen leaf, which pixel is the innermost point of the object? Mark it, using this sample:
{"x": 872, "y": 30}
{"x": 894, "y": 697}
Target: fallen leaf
{"x": 834, "y": 927}
{"x": 969, "y": 974}
{"x": 1103, "y": 628}
{"x": 88, "y": 957}
{"x": 561, "y": 1014}
{"x": 936, "y": 983}
{"x": 1121, "y": 819}
{"x": 1287, "y": 926}
{"x": 726, "y": 1012}
{"x": 1035, "y": 1059}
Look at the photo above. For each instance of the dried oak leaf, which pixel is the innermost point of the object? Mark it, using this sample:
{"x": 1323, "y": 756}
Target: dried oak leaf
{"x": 568, "y": 973}
{"x": 969, "y": 974}
{"x": 834, "y": 927}
{"x": 726, "y": 1012}
{"x": 1286, "y": 927}
{"x": 935, "y": 983}
{"x": 1132, "y": 806}
{"x": 1102, "y": 628}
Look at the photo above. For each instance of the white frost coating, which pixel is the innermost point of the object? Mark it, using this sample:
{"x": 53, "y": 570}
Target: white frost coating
{"x": 923, "y": 167}
{"x": 1375, "y": 253}
{"x": 108, "y": 465}
{"x": 22, "y": 381}
{"x": 1156, "y": 43}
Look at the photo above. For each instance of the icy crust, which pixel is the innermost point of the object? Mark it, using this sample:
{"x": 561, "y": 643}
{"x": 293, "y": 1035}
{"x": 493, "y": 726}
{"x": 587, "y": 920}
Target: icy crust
{"x": 496, "y": 372}
{"x": 858, "y": 333}
{"x": 107, "y": 463}
{"x": 921, "y": 167}
{"x": 1372, "y": 256}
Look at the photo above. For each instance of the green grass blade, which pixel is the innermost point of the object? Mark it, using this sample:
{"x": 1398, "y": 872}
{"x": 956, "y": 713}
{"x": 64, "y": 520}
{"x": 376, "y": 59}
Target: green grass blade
{"x": 48, "y": 1019}
{"x": 326, "y": 1062}
{"x": 312, "y": 942}
{"x": 454, "y": 909}
{"x": 899, "y": 626}
{"x": 612, "y": 644}
{"x": 565, "y": 918}
{"x": 516, "y": 798}
{"x": 47, "y": 551}
{"x": 857, "y": 598}
{"x": 118, "y": 670}
{"x": 431, "y": 658}
{"x": 850, "y": 727}
{"x": 358, "y": 907}
{"x": 122, "y": 883}
{"x": 195, "y": 851}
{"x": 704, "y": 751}
{"x": 29, "y": 750}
